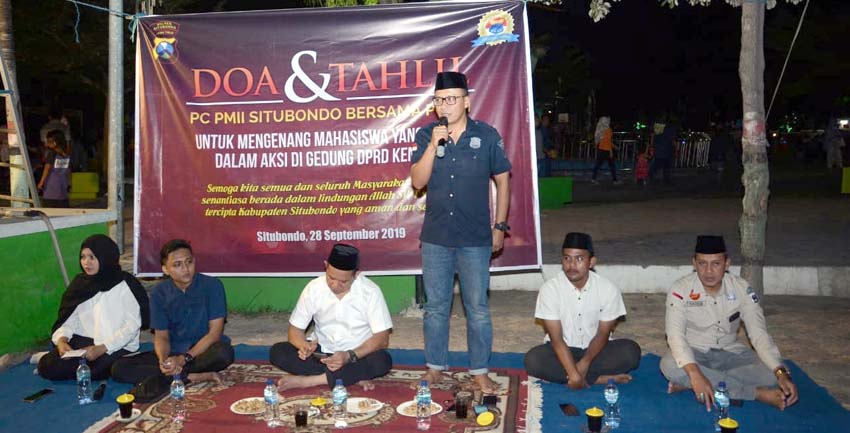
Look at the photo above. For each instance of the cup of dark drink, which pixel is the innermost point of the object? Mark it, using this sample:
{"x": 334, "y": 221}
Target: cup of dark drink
{"x": 594, "y": 419}
{"x": 125, "y": 405}
{"x": 728, "y": 425}
{"x": 462, "y": 401}
{"x": 301, "y": 414}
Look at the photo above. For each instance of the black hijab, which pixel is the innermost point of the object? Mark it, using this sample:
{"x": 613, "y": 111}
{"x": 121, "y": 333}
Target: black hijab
{"x": 108, "y": 276}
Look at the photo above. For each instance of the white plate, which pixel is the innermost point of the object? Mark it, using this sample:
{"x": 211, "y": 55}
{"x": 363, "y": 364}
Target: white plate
{"x": 369, "y": 405}
{"x": 136, "y": 413}
{"x": 259, "y": 407}
{"x": 435, "y": 408}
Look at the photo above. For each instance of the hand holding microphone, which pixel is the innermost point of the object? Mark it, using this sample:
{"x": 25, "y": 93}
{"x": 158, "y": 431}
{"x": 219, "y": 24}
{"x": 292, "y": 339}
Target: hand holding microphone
{"x": 441, "y": 145}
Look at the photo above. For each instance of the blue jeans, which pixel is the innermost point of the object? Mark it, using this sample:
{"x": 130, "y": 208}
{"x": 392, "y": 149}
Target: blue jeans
{"x": 543, "y": 168}
{"x": 472, "y": 265}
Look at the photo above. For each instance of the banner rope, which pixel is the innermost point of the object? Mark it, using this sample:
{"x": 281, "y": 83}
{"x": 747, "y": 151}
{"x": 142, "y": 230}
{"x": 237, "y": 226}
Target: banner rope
{"x": 134, "y": 18}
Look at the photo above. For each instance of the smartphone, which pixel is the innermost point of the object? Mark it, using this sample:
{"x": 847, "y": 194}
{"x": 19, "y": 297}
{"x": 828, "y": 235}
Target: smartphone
{"x": 98, "y": 393}
{"x": 490, "y": 400}
{"x": 38, "y": 395}
{"x": 320, "y": 355}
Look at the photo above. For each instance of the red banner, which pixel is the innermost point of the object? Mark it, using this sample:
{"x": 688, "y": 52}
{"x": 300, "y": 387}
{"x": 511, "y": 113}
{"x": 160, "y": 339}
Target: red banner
{"x": 265, "y": 137}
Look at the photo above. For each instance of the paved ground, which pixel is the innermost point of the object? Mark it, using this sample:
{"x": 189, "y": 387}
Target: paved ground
{"x": 808, "y": 220}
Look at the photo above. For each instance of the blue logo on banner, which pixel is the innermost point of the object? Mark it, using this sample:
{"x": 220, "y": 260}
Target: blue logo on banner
{"x": 494, "y": 28}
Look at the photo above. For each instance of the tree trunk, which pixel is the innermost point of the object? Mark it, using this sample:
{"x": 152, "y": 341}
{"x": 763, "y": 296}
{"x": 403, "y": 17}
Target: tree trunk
{"x": 756, "y": 175}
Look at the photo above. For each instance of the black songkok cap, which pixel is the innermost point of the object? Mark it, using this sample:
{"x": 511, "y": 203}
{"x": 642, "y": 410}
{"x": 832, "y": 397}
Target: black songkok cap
{"x": 451, "y": 80}
{"x": 344, "y": 257}
{"x": 581, "y": 241}
{"x": 710, "y": 245}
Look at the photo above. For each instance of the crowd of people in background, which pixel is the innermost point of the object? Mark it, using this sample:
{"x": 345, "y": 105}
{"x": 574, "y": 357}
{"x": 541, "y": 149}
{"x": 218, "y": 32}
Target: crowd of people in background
{"x": 651, "y": 154}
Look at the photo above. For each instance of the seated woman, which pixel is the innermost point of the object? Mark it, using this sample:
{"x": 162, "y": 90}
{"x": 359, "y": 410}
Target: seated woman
{"x": 102, "y": 311}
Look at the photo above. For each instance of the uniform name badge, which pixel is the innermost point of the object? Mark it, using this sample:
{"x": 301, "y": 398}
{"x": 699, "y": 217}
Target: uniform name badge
{"x": 695, "y": 303}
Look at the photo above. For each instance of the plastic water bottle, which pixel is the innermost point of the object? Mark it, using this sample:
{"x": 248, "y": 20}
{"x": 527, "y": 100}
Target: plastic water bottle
{"x": 178, "y": 402}
{"x": 721, "y": 399}
{"x": 423, "y": 406}
{"x": 340, "y": 396}
{"x": 612, "y": 413}
{"x": 84, "y": 388}
{"x": 272, "y": 409}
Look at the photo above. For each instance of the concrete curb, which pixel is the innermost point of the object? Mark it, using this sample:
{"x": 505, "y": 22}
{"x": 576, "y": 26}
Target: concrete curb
{"x": 778, "y": 280}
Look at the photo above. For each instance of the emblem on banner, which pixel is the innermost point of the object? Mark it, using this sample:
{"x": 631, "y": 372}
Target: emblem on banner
{"x": 165, "y": 41}
{"x": 494, "y": 28}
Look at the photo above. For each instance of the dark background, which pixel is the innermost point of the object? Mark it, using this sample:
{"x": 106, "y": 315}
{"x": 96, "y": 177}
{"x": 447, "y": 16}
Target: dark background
{"x": 639, "y": 62}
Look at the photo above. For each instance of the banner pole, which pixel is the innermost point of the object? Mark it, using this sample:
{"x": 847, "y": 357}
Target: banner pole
{"x": 115, "y": 175}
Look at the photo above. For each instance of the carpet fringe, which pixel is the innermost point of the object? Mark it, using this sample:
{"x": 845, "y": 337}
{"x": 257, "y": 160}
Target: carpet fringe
{"x": 534, "y": 411}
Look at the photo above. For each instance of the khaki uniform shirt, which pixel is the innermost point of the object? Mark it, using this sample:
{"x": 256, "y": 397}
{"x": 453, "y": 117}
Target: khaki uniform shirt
{"x": 698, "y": 321}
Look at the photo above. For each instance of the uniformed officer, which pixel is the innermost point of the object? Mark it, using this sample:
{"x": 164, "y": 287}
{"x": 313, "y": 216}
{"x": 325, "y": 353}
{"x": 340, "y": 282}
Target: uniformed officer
{"x": 455, "y": 158}
{"x": 704, "y": 311}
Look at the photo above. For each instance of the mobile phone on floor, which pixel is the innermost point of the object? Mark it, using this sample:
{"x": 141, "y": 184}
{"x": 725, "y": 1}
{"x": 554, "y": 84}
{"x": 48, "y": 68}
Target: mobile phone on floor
{"x": 98, "y": 393}
{"x": 36, "y": 396}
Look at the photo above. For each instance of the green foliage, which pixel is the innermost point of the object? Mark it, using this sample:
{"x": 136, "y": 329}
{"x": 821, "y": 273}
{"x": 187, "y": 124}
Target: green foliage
{"x": 569, "y": 77}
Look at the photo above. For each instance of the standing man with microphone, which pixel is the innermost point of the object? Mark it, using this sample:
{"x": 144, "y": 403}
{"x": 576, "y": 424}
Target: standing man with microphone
{"x": 455, "y": 159}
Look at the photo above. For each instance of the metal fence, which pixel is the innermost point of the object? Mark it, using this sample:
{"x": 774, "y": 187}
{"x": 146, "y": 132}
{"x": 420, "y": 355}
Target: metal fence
{"x": 691, "y": 148}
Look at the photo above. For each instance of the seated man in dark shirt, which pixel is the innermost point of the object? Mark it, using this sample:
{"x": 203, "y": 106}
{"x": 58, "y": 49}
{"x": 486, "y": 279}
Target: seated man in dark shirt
{"x": 188, "y": 311}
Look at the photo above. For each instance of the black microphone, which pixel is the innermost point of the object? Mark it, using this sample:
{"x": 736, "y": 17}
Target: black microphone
{"x": 441, "y": 145}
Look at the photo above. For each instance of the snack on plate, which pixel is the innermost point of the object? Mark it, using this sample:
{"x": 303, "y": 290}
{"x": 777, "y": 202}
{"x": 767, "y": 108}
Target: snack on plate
{"x": 252, "y": 405}
{"x": 410, "y": 410}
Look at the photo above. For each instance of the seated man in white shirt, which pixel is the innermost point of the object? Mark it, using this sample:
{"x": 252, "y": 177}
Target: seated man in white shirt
{"x": 352, "y": 326}
{"x": 579, "y": 310}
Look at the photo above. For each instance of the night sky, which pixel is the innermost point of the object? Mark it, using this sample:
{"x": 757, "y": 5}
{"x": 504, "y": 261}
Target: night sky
{"x": 648, "y": 59}
{"x": 642, "y": 60}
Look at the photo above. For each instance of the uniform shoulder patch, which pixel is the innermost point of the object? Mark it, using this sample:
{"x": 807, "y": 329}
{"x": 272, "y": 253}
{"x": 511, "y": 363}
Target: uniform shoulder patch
{"x": 753, "y": 295}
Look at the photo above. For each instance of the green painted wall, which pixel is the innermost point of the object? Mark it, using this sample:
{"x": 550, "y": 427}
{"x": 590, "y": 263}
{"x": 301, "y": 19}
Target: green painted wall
{"x": 255, "y": 295}
{"x": 32, "y": 284}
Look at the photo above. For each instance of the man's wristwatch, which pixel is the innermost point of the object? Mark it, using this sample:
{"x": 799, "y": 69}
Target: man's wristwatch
{"x": 782, "y": 371}
{"x": 188, "y": 358}
{"x": 502, "y": 226}
{"x": 352, "y": 356}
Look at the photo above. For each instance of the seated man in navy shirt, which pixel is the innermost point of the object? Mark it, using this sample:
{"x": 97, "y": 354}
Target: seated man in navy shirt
{"x": 188, "y": 311}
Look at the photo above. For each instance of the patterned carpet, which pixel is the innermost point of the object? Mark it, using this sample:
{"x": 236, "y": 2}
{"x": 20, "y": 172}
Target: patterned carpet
{"x": 210, "y": 405}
